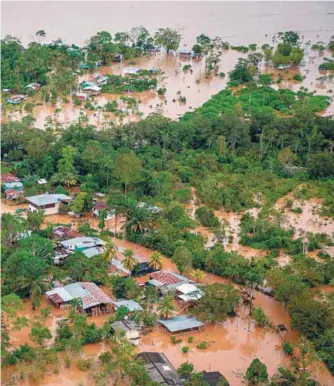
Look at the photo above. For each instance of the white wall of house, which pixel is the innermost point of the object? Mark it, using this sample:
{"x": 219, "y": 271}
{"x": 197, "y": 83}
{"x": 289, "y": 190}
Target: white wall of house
{"x": 47, "y": 211}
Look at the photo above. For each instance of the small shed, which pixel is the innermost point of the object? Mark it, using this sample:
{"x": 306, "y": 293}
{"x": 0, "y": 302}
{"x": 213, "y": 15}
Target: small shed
{"x": 189, "y": 292}
{"x": 183, "y": 323}
{"x": 130, "y": 328}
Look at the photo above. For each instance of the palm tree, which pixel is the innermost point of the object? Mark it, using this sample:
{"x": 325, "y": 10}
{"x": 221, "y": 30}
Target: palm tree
{"x": 156, "y": 261}
{"x": 138, "y": 220}
{"x": 130, "y": 261}
{"x": 198, "y": 275}
{"x": 109, "y": 251}
{"x": 166, "y": 307}
{"x": 35, "y": 287}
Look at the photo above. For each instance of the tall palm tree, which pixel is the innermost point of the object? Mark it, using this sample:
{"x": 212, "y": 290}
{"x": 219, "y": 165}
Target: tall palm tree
{"x": 109, "y": 251}
{"x": 156, "y": 261}
{"x": 138, "y": 220}
{"x": 35, "y": 287}
{"x": 166, "y": 307}
{"x": 130, "y": 261}
{"x": 198, "y": 275}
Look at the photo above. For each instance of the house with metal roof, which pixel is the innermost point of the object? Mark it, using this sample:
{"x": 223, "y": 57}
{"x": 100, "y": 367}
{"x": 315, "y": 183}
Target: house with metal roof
{"x": 12, "y": 194}
{"x": 131, "y": 70}
{"x": 129, "y": 328}
{"x": 62, "y": 232}
{"x": 94, "y": 251}
{"x": 188, "y": 292}
{"x": 166, "y": 281}
{"x": 92, "y": 299}
{"x": 82, "y": 243}
{"x": 16, "y": 185}
{"x": 160, "y": 369}
{"x": 50, "y": 203}
{"x": 182, "y": 323}
{"x": 9, "y": 177}
{"x": 131, "y": 305}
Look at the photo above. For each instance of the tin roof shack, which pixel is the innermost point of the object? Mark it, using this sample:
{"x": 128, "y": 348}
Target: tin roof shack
{"x": 141, "y": 269}
{"x": 9, "y": 177}
{"x": 182, "y": 323}
{"x": 214, "y": 378}
{"x": 98, "y": 207}
{"x": 50, "y": 203}
{"x": 188, "y": 292}
{"x": 118, "y": 267}
{"x": 130, "y": 329}
{"x": 81, "y": 243}
{"x": 101, "y": 80}
{"x": 93, "y": 300}
{"x": 160, "y": 369}
{"x": 17, "y": 185}
{"x": 33, "y": 86}
{"x": 16, "y": 99}
{"x": 12, "y": 194}
{"x": 131, "y": 70}
{"x": 63, "y": 233}
{"x": 166, "y": 281}
{"x": 131, "y": 305}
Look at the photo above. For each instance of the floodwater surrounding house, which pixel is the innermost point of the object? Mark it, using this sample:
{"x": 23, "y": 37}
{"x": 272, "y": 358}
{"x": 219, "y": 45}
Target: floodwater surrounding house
{"x": 50, "y": 203}
{"x": 182, "y": 323}
{"x": 130, "y": 329}
{"x": 91, "y": 299}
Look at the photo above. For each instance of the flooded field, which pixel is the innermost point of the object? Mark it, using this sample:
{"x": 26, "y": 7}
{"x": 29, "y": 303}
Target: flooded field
{"x": 307, "y": 221}
{"x": 192, "y": 84}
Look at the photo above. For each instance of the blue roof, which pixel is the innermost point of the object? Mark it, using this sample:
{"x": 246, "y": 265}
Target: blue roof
{"x": 181, "y": 323}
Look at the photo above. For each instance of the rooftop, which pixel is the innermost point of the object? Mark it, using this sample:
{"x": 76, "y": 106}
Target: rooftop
{"x": 160, "y": 369}
{"x": 131, "y": 305}
{"x": 89, "y": 293}
{"x": 125, "y": 325}
{"x": 9, "y": 177}
{"x": 91, "y": 252}
{"x": 214, "y": 378}
{"x": 167, "y": 278}
{"x": 47, "y": 199}
{"x": 82, "y": 241}
{"x": 180, "y": 323}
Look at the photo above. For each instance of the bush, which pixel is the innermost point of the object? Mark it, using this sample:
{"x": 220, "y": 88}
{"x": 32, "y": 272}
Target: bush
{"x": 260, "y": 317}
{"x": 185, "y": 369}
{"x": 202, "y": 345}
{"x": 77, "y": 102}
{"x": 298, "y": 77}
{"x": 297, "y": 210}
{"x": 174, "y": 340}
{"x": 190, "y": 339}
{"x": 287, "y": 348}
{"x": 207, "y": 217}
{"x": 84, "y": 364}
{"x": 185, "y": 349}
{"x": 186, "y": 67}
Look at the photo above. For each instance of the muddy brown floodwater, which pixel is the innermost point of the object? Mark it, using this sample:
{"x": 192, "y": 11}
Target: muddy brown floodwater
{"x": 232, "y": 344}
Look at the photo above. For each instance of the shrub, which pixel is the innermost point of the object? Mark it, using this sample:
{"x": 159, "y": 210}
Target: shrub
{"x": 185, "y": 349}
{"x": 84, "y": 364}
{"x": 260, "y": 317}
{"x": 190, "y": 339}
{"x": 252, "y": 47}
{"x": 287, "y": 348}
{"x": 222, "y": 74}
{"x": 202, "y": 345}
{"x": 161, "y": 91}
{"x": 174, "y": 340}
{"x": 298, "y": 77}
{"x": 297, "y": 210}
{"x": 77, "y": 102}
{"x": 186, "y": 67}
{"x": 207, "y": 217}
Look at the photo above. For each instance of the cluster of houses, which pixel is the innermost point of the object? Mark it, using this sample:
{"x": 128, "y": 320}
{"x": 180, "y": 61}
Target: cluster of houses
{"x": 12, "y": 186}
{"x": 18, "y": 98}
